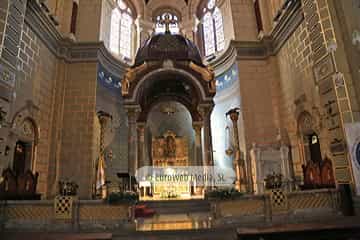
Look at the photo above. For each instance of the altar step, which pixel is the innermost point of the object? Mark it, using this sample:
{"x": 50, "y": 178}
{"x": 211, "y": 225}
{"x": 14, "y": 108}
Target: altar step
{"x": 178, "y": 206}
{"x": 356, "y": 201}
{"x": 56, "y": 236}
{"x": 204, "y": 234}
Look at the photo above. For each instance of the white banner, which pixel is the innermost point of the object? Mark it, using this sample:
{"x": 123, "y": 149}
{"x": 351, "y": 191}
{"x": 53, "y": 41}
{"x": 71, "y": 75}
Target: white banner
{"x": 353, "y": 142}
{"x": 201, "y": 175}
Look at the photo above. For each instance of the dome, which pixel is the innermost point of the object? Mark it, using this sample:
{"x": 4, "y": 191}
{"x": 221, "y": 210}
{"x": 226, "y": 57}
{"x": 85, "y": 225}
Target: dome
{"x": 168, "y": 46}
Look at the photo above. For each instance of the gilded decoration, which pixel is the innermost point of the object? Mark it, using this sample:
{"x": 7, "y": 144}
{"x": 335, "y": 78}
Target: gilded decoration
{"x": 207, "y": 73}
{"x": 170, "y": 150}
{"x": 130, "y": 76}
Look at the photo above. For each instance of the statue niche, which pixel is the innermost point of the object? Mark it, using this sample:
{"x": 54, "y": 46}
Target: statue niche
{"x": 169, "y": 150}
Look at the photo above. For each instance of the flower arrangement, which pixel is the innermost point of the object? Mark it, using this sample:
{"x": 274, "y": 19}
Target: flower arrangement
{"x": 68, "y": 188}
{"x": 273, "y": 181}
{"x": 223, "y": 194}
{"x": 123, "y": 197}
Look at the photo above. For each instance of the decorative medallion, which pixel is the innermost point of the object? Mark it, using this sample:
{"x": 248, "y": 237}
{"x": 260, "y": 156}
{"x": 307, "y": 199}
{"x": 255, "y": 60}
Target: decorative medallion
{"x": 324, "y": 68}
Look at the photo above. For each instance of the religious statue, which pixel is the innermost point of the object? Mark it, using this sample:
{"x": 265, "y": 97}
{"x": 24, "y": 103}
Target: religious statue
{"x": 130, "y": 76}
{"x": 167, "y": 22}
{"x": 207, "y": 73}
{"x": 170, "y": 148}
{"x": 68, "y": 188}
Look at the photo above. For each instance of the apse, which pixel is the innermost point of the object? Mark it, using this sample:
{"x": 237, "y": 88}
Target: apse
{"x": 170, "y": 116}
{"x": 227, "y": 97}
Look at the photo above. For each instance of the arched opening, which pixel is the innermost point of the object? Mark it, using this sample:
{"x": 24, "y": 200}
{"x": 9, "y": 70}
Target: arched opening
{"x": 317, "y": 171}
{"x": 314, "y": 148}
{"x": 169, "y": 135}
{"x": 24, "y": 155}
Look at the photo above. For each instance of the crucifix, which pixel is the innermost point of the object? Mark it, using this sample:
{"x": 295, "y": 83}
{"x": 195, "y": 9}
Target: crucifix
{"x": 167, "y": 22}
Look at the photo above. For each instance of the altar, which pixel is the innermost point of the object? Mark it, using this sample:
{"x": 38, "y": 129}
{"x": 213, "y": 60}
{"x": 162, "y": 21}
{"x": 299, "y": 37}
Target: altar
{"x": 169, "y": 151}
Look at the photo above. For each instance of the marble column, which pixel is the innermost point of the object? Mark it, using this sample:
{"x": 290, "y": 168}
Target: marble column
{"x": 141, "y": 144}
{"x": 132, "y": 114}
{"x": 239, "y": 163}
{"x": 198, "y": 145}
{"x": 205, "y": 112}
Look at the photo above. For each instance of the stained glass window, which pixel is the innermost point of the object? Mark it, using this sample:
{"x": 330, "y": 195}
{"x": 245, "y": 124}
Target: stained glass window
{"x": 209, "y": 39}
{"x": 219, "y": 29}
{"x": 114, "y": 31}
{"x": 121, "y": 30}
{"x": 160, "y": 27}
{"x": 125, "y": 36}
{"x": 213, "y": 29}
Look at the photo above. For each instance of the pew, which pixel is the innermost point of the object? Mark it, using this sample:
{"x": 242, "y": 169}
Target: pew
{"x": 21, "y": 187}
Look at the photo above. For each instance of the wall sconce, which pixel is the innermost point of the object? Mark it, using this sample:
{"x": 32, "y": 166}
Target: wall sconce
{"x": 339, "y": 79}
{"x": 228, "y": 151}
{"x": 2, "y": 117}
{"x": 332, "y": 46}
{"x": 7, "y": 150}
{"x": 356, "y": 38}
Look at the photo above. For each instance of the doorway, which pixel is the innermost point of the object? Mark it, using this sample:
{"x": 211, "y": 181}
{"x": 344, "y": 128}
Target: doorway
{"x": 22, "y": 157}
{"x": 314, "y": 147}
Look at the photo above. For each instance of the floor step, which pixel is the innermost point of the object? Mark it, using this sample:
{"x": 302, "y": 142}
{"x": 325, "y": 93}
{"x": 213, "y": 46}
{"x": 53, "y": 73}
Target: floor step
{"x": 178, "y": 206}
{"x": 356, "y": 201}
{"x": 208, "y": 234}
{"x": 56, "y": 236}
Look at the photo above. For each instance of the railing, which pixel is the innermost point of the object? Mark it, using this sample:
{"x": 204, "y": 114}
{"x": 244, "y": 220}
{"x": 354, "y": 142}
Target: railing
{"x": 313, "y": 203}
{"x": 55, "y": 216}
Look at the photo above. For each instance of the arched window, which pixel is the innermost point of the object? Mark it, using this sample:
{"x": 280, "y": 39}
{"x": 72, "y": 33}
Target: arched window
{"x": 121, "y": 29}
{"x": 174, "y": 26}
{"x": 213, "y": 28}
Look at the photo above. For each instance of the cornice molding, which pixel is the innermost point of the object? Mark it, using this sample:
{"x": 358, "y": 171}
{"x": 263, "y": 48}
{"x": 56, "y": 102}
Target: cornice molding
{"x": 268, "y": 46}
{"x": 288, "y": 23}
{"x": 65, "y": 49}
{"x": 73, "y": 52}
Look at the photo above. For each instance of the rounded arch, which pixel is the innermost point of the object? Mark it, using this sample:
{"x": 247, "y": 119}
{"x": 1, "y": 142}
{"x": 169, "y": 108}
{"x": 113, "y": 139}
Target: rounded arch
{"x": 305, "y": 124}
{"x": 186, "y": 76}
{"x": 195, "y": 115}
{"x": 26, "y": 126}
{"x": 133, "y": 5}
{"x": 166, "y": 9}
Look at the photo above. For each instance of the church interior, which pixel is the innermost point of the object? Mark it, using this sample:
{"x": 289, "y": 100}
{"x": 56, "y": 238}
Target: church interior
{"x": 264, "y": 94}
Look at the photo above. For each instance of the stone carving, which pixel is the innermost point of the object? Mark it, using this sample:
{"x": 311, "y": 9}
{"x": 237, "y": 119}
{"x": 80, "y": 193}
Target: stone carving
{"x": 207, "y": 73}
{"x": 130, "y": 76}
{"x": 7, "y": 76}
{"x": 318, "y": 175}
{"x": 170, "y": 150}
{"x": 68, "y": 188}
{"x": 324, "y": 68}
{"x": 28, "y": 129}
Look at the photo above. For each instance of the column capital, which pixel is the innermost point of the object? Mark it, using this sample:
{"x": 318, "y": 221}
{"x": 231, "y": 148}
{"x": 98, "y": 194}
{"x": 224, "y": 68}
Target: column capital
{"x": 141, "y": 128}
{"x": 104, "y": 118}
{"x": 197, "y": 126}
{"x": 205, "y": 110}
{"x": 234, "y": 114}
{"x": 132, "y": 112}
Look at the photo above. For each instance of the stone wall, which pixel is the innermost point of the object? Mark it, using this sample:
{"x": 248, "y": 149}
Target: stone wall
{"x": 298, "y": 90}
{"x": 244, "y": 20}
{"x": 77, "y": 150}
{"x": 259, "y": 100}
{"x": 3, "y": 15}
